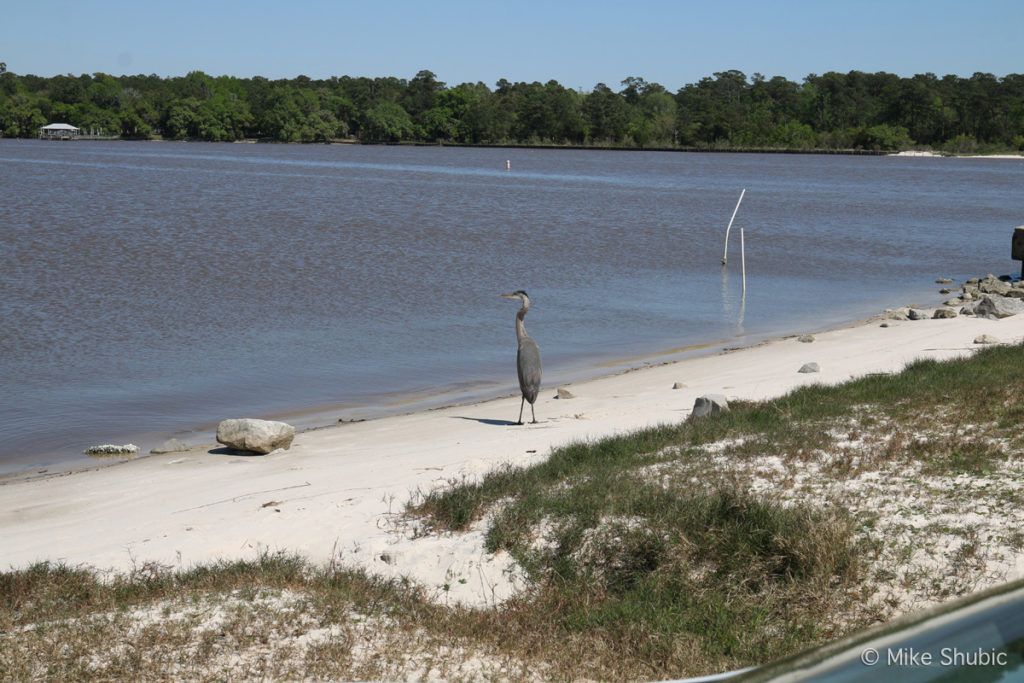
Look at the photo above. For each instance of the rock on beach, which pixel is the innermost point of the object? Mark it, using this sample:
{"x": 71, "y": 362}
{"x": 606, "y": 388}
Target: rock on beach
{"x": 170, "y": 446}
{"x": 807, "y": 368}
{"x": 709, "y": 404}
{"x": 112, "y": 449}
{"x": 258, "y": 436}
{"x": 995, "y": 307}
{"x": 994, "y": 286}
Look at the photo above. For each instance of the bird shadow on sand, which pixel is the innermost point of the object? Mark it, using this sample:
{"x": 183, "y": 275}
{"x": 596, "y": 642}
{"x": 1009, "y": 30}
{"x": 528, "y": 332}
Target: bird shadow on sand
{"x": 485, "y": 421}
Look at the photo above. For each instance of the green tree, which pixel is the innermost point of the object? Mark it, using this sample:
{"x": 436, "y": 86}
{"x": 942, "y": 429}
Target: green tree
{"x": 387, "y": 122}
{"x": 607, "y": 115}
{"x": 883, "y": 137}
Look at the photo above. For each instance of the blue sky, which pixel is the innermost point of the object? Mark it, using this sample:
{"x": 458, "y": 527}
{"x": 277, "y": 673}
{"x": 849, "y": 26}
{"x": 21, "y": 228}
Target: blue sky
{"x": 574, "y": 42}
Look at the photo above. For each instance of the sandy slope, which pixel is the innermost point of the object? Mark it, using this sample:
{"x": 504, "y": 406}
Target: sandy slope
{"x": 337, "y": 491}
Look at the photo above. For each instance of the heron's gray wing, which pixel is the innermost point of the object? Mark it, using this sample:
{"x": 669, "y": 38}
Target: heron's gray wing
{"x": 528, "y": 362}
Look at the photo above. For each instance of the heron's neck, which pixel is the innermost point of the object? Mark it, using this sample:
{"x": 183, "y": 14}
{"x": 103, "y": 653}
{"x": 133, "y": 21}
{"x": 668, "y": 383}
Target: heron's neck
{"x": 520, "y": 327}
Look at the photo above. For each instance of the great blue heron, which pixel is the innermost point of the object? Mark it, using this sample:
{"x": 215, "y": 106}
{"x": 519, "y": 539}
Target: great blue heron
{"x": 528, "y": 357}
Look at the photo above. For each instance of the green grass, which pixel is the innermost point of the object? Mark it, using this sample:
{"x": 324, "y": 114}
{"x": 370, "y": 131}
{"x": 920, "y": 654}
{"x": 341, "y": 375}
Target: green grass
{"x": 649, "y": 555}
{"x": 65, "y": 623}
{"x": 985, "y": 388}
{"x": 740, "y": 577}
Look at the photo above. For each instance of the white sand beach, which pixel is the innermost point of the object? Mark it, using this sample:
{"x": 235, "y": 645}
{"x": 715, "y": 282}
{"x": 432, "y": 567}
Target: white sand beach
{"x": 930, "y": 154}
{"x": 915, "y": 153}
{"x": 339, "y": 491}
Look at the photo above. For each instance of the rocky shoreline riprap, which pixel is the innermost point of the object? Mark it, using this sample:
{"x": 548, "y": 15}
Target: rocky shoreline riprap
{"x": 985, "y": 297}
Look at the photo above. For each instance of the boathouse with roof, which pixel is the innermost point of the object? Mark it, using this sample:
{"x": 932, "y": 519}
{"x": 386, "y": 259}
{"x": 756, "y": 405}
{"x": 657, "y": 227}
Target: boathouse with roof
{"x": 59, "y": 131}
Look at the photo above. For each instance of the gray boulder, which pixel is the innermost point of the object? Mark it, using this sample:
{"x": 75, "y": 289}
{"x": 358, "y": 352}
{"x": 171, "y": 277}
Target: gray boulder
{"x": 710, "y": 404}
{"x": 944, "y": 313}
{"x": 945, "y": 290}
{"x": 968, "y": 310}
{"x": 807, "y": 368}
{"x": 678, "y": 385}
{"x": 986, "y": 339}
{"x": 914, "y": 314}
{"x": 994, "y": 287}
{"x": 171, "y": 446}
{"x": 1016, "y": 293}
{"x": 953, "y": 302}
{"x": 564, "y": 393}
{"x": 943, "y": 281}
{"x": 995, "y": 307}
{"x": 806, "y": 338}
{"x": 258, "y": 436}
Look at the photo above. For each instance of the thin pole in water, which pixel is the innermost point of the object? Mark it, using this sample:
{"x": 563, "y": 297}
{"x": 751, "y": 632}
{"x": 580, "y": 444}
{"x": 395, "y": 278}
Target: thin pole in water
{"x": 725, "y": 253}
{"x": 743, "y": 262}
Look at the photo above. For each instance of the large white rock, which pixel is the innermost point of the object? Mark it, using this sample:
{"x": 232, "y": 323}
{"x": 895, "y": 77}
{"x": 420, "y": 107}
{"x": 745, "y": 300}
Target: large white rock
{"x": 259, "y": 436}
{"x": 994, "y": 286}
{"x": 710, "y": 404}
{"x": 995, "y": 307}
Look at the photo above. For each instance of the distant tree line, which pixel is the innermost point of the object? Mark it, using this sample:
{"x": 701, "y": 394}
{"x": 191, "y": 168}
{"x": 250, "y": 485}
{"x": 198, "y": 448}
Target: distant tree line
{"x": 855, "y": 110}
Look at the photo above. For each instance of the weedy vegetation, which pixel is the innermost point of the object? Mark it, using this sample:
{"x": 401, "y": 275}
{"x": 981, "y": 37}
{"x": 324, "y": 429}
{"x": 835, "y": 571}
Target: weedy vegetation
{"x": 677, "y": 550}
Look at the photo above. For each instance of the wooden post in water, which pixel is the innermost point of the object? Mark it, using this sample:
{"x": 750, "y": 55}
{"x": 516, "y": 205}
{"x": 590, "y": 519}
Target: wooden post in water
{"x": 743, "y": 262}
{"x": 725, "y": 252}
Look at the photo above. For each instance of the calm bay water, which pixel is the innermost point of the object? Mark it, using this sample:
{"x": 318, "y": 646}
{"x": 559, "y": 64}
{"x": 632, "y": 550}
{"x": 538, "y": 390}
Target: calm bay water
{"x": 151, "y": 289}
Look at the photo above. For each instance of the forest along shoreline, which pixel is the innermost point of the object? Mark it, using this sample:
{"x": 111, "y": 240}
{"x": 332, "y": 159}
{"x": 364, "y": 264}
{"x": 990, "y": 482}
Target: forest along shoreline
{"x": 904, "y": 152}
{"x": 852, "y": 111}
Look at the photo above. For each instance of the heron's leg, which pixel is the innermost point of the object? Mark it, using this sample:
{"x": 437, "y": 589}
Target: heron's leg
{"x": 521, "y": 410}
{"x": 534, "y": 414}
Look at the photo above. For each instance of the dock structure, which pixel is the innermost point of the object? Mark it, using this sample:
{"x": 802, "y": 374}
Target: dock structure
{"x": 59, "y": 131}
